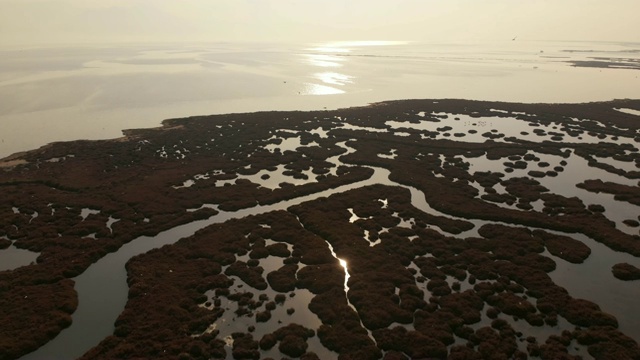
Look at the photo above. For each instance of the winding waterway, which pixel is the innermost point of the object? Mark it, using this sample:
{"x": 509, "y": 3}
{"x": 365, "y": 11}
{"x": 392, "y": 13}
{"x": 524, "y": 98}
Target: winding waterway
{"x": 102, "y": 289}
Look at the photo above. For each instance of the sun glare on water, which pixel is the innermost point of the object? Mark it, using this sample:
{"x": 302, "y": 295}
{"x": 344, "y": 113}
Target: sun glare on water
{"x": 334, "y": 78}
{"x": 346, "y": 275}
{"x": 316, "y": 89}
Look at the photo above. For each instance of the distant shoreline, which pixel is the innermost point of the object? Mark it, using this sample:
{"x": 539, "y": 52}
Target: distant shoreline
{"x": 166, "y": 124}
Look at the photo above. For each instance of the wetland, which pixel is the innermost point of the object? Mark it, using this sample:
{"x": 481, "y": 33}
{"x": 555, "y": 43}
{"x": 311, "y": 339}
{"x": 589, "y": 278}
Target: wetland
{"x": 405, "y": 229}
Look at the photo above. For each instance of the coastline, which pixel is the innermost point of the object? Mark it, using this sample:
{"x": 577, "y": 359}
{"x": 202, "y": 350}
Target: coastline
{"x": 166, "y": 124}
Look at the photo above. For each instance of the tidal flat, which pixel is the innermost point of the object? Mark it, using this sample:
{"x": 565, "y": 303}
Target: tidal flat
{"x": 405, "y": 229}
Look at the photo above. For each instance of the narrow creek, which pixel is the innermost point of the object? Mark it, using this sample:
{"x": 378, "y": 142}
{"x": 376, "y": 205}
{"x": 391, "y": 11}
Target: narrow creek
{"x": 102, "y": 289}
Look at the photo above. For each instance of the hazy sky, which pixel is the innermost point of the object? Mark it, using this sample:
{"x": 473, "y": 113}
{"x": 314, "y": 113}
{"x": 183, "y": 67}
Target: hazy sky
{"x": 97, "y": 21}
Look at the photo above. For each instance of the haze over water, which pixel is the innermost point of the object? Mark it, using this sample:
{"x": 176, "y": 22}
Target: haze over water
{"x": 94, "y": 92}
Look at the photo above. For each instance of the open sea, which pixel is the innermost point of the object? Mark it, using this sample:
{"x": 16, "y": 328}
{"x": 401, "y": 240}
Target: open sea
{"x": 94, "y": 92}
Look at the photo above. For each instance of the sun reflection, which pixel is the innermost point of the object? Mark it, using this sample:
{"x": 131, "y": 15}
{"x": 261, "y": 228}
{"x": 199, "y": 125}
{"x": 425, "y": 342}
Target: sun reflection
{"x": 343, "y": 263}
{"x": 316, "y": 89}
{"x": 346, "y": 275}
{"x": 323, "y": 60}
{"x": 334, "y": 78}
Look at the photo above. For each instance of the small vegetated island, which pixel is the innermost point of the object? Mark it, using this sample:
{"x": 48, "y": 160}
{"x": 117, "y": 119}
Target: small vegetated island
{"x": 404, "y": 229}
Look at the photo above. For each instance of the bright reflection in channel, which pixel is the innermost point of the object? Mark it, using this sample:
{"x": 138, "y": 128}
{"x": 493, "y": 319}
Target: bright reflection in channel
{"x": 346, "y": 275}
{"x": 323, "y": 60}
{"x": 334, "y": 78}
{"x": 316, "y": 89}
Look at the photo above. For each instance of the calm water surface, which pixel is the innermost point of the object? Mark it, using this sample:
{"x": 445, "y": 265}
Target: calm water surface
{"x": 55, "y": 94}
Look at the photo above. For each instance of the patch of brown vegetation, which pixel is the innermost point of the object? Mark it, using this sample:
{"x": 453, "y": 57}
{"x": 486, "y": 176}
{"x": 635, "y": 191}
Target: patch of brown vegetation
{"x": 621, "y": 192}
{"x": 564, "y": 247}
{"x": 292, "y": 338}
{"x": 624, "y": 271}
{"x": 27, "y": 306}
